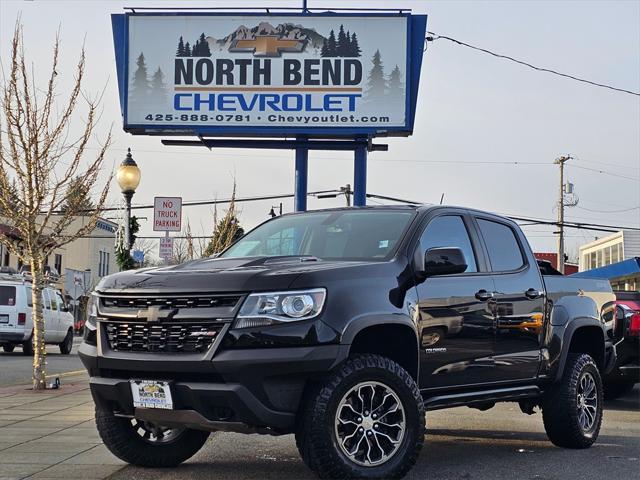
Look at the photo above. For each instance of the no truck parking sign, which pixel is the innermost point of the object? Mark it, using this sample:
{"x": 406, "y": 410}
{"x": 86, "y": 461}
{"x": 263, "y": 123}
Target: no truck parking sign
{"x": 167, "y": 214}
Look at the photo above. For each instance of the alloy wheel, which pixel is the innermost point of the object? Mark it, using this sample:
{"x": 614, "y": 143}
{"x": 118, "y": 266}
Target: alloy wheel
{"x": 370, "y": 424}
{"x": 587, "y": 402}
{"x": 154, "y": 434}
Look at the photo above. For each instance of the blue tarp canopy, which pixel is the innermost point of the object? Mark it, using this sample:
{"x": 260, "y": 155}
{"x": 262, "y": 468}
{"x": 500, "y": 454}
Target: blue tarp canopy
{"x": 615, "y": 270}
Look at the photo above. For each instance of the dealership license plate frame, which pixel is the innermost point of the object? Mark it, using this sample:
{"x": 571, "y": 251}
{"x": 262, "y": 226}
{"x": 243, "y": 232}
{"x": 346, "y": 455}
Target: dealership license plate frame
{"x": 4, "y": 319}
{"x": 161, "y": 398}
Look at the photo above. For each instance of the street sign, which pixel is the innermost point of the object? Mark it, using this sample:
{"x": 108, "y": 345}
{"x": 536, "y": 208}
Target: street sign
{"x": 76, "y": 282}
{"x": 138, "y": 256}
{"x": 167, "y": 214}
{"x": 166, "y": 248}
{"x": 212, "y": 73}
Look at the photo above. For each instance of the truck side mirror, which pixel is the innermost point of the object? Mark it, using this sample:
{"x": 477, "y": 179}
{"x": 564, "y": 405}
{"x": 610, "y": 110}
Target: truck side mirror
{"x": 444, "y": 261}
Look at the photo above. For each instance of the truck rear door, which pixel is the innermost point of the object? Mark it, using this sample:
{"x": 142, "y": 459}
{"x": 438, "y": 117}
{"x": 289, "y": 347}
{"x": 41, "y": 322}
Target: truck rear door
{"x": 519, "y": 299}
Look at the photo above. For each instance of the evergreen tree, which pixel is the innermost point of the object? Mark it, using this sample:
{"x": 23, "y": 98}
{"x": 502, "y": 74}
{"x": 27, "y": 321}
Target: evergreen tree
{"x": 324, "y": 51}
{"x": 332, "y": 45}
{"x": 203, "y": 47}
{"x": 342, "y": 49}
{"x": 187, "y": 50}
{"x": 78, "y": 197}
{"x": 195, "y": 52}
{"x": 226, "y": 231}
{"x": 158, "y": 90}
{"x": 180, "y": 51}
{"x": 123, "y": 256}
{"x": 376, "y": 84}
{"x": 395, "y": 84}
{"x": 355, "y": 48}
{"x": 140, "y": 85}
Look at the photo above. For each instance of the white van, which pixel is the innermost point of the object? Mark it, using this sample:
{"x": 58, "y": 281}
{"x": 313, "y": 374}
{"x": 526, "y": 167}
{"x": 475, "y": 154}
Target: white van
{"x": 16, "y": 324}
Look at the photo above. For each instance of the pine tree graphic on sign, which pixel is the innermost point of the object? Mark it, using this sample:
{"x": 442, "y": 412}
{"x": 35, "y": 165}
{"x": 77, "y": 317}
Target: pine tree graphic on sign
{"x": 158, "y": 90}
{"x": 395, "y": 92}
{"x": 140, "y": 83}
{"x": 180, "y": 51}
{"x": 376, "y": 83}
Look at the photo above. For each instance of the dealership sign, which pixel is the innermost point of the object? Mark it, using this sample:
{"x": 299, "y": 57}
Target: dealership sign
{"x": 235, "y": 74}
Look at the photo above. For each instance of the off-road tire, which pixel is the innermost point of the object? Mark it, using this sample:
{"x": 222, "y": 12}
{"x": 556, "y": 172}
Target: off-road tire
{"x": 120, "y": 438}
{"x": 27, "y": 347}
{"x": 302, "y": 427}
{"x": 560, "y": 408}
{"x": 67, "y": 344}
{"x": 316, "y": 435}
{"x": 617, "y": 388}
{"x": 8, "y": 348}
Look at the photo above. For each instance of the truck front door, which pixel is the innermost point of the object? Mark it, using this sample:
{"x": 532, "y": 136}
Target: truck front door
{"x": 456, "y": 324}
{"x": 519, "y": 300}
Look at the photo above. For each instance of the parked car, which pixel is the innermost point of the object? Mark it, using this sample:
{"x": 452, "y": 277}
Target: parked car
{"x": 16, "y": 323}
{"x": 626, "y": 333}
{"x": 343, "y": 327}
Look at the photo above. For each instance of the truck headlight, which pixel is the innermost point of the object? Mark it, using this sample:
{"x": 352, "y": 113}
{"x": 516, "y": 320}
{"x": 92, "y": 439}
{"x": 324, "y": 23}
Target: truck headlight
{"x": 90, "y": 327}
{"x": 271, "y": 308}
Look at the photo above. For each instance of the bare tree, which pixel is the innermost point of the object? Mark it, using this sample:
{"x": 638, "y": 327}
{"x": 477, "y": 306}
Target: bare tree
{"x": 40, "y": 160}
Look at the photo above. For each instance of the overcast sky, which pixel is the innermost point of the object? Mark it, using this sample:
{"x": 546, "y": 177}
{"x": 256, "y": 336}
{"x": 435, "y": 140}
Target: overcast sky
{"x": 471, "y": 108}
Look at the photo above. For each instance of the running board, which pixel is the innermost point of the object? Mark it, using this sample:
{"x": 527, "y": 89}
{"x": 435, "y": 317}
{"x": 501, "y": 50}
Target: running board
{"x": 513, "y": 394}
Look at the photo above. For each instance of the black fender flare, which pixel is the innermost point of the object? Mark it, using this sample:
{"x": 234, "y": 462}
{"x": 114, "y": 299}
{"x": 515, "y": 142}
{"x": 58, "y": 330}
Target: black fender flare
{"x": 570, "y": 329}
{"x": 357, "y": 325}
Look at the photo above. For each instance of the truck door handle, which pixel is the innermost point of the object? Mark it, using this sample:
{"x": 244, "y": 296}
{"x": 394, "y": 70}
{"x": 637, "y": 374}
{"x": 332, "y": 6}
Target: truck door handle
{"x": 483, "y": 295}
{"x": 532, "y": 294}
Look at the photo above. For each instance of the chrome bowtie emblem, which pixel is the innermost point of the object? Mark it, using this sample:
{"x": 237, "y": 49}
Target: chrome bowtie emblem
{"x": 155, "y": 314}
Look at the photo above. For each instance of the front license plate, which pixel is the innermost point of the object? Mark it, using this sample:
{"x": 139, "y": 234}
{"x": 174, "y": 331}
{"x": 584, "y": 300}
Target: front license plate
{"x": 151, "y": 394}
{"x": 4, "y": 318}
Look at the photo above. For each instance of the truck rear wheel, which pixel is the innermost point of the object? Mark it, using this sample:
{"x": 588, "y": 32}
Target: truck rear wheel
{"x": 572, "y": 409}
{"x": 8, "y": 348}
{"x": 146, "y": 444}
{"x": 367, "y": 420}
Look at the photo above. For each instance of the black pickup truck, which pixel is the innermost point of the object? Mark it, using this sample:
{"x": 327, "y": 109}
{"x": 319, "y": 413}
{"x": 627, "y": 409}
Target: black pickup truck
{"x": 344, "y": 327}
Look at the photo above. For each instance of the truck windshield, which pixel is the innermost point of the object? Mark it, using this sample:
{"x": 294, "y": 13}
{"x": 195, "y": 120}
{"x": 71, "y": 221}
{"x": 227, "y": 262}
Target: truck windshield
{"x": 344, "y": 235}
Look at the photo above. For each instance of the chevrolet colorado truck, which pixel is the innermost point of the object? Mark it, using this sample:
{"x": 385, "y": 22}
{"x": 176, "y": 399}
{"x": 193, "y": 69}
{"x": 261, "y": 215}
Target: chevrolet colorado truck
{"x": 344, "y": 327}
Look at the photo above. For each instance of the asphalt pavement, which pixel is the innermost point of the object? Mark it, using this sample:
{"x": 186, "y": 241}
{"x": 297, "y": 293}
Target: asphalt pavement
{"x": 461, "y": 444}
{"x": 15, "y": 368}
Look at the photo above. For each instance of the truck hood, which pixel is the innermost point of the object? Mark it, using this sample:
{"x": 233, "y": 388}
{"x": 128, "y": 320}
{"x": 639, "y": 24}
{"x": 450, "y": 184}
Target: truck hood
{"x": 220, "y": 275}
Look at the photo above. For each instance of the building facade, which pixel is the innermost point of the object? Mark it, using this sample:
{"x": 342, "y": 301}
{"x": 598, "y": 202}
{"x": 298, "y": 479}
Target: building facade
{"x": 614, "y": 248}
{"x": 94, "y": 252}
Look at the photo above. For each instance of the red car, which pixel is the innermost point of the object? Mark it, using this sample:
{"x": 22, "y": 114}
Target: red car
{"x": 627, "y": 334}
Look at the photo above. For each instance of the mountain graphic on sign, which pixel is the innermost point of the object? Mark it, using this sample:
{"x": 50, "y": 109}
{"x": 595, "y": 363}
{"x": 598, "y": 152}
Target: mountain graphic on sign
{"x": 284, "y": 31}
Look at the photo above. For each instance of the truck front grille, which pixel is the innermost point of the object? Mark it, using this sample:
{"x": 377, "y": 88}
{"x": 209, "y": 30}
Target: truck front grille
{"x": 161, "y": 337}
{"x": 190, "y": 301}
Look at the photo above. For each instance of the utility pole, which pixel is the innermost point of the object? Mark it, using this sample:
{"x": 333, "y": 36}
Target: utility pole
{"x": 347, "y": 193}
{"x": 561, "y": 161}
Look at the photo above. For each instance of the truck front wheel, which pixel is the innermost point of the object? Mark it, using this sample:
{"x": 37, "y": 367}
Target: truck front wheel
{"x": 572, "y": 409}
{"x": 146, "y": 444}
{"x": 366, "y": 420}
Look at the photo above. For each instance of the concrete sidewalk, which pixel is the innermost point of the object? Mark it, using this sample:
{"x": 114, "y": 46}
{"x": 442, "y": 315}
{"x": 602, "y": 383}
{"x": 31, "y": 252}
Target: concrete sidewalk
{"x": 52, "y": 434}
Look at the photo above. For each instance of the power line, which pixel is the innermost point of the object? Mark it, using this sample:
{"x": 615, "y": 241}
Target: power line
{"x": 608, "y": 211}
{"x": 532, "y": 220}
{"x": 434, "y": 37}
{"x": 605, "y": 172}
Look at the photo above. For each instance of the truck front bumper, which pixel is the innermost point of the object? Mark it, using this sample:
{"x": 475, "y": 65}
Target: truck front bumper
{"x": 255, "y": 390}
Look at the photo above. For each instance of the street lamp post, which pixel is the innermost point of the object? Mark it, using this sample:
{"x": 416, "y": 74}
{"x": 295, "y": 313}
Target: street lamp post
{"x": 128, "y": 177}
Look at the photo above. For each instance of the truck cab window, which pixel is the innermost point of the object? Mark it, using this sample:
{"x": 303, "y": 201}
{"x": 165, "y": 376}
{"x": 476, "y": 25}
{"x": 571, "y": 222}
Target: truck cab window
{"x": 503, "y": 248}
{"x": 449, "y": 231}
